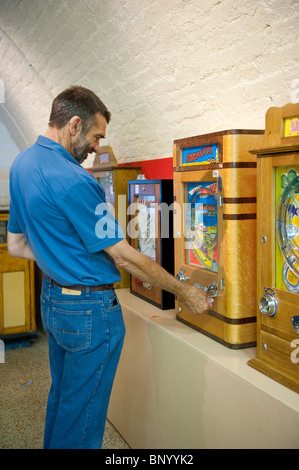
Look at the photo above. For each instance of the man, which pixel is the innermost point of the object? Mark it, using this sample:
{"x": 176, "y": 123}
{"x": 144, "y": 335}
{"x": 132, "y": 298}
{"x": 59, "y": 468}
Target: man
{"x": 55, "y": 210}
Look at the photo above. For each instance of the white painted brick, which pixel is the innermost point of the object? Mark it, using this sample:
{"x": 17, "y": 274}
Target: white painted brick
{"x": 166, "y": 68}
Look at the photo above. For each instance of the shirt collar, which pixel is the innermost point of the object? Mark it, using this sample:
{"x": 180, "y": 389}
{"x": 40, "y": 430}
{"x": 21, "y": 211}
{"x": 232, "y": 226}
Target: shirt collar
{"x": 52, "y": 145}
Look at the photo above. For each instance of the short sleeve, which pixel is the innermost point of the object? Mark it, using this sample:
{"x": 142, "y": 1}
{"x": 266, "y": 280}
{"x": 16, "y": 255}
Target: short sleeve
{"x": 13, "y": 225}
{"x": 85, "y": 207}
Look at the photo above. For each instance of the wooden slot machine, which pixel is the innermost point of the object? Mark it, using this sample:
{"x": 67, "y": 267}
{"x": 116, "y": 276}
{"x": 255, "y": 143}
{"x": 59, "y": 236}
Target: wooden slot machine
{"x": 278, "y": 248}
{"x": 114, "y": 180}
{"x": 17, "y": 292}
{"x": 215, "y": 231}
{"x": 151, "y": 233}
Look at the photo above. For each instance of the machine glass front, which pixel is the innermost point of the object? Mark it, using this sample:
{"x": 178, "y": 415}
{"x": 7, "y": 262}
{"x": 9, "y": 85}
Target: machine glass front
{"x": 200, "y": 225}
{"x": 146, "y": 225}
{"x": 287, "y": 228}
{"x": 106, "y": 181}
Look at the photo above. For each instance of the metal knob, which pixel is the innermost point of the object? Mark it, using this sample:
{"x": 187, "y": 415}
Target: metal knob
{"x": 147, "y": 285}
{"x": 268, "y": 303}
{"x": 295, "y": 323}
{"x": 182, "y": 276}
{"x": 211, "y": 289}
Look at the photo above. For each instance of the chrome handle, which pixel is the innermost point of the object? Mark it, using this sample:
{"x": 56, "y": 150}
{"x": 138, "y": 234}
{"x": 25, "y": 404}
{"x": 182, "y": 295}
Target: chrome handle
{"x": 211, "y": 289}
{"x": 147, "y": 285}
{"x": 295, "y": 323}
{"x": 182, "y": 276}
{"x": 268, "y": 303}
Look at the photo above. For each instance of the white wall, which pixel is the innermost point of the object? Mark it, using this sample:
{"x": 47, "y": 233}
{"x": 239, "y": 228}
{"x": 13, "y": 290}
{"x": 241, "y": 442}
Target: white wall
{"x": 166, "y": 68}
{"x": 11, "y": 143}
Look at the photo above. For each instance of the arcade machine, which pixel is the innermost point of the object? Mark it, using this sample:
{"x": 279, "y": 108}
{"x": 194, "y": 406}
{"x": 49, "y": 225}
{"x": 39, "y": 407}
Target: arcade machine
{"x": 278, "y": 248}
{"x": 215, "y": 231}
{"x": 151, "y": 233}
{"x": 17, "y": 292}
{"x": 114, "y": 180}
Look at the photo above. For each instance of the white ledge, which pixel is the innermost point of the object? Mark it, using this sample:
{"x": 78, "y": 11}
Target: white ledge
{"x": 215, "y": 378}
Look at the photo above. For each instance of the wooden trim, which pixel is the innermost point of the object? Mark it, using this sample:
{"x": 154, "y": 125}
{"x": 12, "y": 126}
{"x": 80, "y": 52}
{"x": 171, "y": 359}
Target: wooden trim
{"x": 239, "y": 216}
{"x": 213, "y": 135}
{"x": 231, "y": 321}
{"x": 216, "y": 338}
{"x": 239, "y": 200}
{"x": 281, "y": 376}
{"x": 213, "y": 166}
{"x": 271, "y": 150}
{"x": 239, "y": 165}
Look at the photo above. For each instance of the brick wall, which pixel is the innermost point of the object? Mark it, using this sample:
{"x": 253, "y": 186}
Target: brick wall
{"x": 166, "y": 69}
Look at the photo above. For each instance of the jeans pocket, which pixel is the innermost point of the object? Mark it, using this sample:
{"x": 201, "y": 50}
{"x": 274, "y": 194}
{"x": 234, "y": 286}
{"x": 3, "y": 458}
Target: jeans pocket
{"x": 72, "y": 328}
{"x": 43, "y": 311}
{"x": 112, "y": 304}
{"x": 114, "y": 315}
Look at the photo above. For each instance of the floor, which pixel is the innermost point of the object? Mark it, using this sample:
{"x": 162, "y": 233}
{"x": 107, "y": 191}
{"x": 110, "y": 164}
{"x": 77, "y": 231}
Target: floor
{"x": 24, "y": 385}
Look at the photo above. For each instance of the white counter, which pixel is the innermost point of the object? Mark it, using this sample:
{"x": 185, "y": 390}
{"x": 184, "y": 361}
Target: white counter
{"x": 175, "y": 388}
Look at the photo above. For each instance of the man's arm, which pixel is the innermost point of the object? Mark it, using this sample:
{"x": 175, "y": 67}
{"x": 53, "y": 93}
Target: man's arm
{"x": 147, "y": 270}
{"x": 18, "y": 247}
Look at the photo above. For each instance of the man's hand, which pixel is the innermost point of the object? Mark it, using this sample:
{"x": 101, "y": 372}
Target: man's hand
{"x": 196, "y": 300}
{"x": 141, "y": 266}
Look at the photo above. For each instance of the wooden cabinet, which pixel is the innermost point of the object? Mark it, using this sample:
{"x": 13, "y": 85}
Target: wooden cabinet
{"x": 215, "y": 231}
{"x": 278, "y": 248}
{"x": 17, "y": 304}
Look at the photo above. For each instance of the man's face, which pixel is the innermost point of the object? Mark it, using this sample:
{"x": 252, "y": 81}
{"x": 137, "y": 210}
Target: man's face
{"x": 90, "y": 141}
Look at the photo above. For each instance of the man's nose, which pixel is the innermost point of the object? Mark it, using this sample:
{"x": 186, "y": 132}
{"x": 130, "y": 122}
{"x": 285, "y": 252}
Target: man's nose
{"x": 96, "y": 146}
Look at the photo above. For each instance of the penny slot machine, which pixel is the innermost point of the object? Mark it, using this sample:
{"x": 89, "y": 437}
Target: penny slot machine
{"x": 17, "y": 292}
{"x": 215, "y": 231}
{"x": 151, "y": 233}
{"x": 278, "y": 248}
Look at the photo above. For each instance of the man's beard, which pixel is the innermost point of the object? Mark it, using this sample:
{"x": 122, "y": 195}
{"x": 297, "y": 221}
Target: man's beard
{"x": 80, "y": 158}
{"x": 80, "y": 151}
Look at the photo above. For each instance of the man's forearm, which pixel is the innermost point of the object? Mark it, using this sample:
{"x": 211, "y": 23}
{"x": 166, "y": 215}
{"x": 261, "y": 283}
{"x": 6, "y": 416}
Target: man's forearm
{"x": 149, "y": 271}
{"x": 144, "y": 268}
{"x": 18, "y": 247}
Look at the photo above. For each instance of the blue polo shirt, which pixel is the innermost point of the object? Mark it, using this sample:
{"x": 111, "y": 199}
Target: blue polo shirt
{"x": 61, "y": 210}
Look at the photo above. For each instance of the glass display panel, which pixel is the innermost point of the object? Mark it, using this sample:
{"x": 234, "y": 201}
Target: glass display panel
{"x": 146, "y": 226}
{"x": 104, "y": 157}
{"x": 107, "y": 184}
{"x": 200, "y": 225}
{"x": 3, "y": 234}
{"x": 287, "y": 229}
{"x": 291, "y": 127}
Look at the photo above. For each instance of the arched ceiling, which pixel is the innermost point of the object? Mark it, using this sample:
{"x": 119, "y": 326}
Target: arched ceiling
{"x": 166, "y": 69}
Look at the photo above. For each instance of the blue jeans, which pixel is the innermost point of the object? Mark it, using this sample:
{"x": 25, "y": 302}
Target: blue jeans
{"x": 86, "y": 334}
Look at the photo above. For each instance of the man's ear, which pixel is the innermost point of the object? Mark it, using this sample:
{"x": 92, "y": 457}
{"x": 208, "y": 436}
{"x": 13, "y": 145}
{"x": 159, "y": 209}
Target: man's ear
{"x": 75, "y": 125}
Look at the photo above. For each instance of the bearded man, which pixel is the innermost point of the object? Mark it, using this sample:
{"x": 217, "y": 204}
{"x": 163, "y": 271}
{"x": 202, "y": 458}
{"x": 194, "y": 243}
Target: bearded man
{"x": 55, "y": 209}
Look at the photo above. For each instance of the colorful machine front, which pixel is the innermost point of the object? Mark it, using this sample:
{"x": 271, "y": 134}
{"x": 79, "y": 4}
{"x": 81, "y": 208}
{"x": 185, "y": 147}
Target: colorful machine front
{"x": 151, "y": 233}
{"x": 278, "y": 248}
{"x": 215, "y": 231}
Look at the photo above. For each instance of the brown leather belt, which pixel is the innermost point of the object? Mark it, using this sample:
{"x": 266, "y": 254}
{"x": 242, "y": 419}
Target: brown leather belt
{"x": 83, "y": 287}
